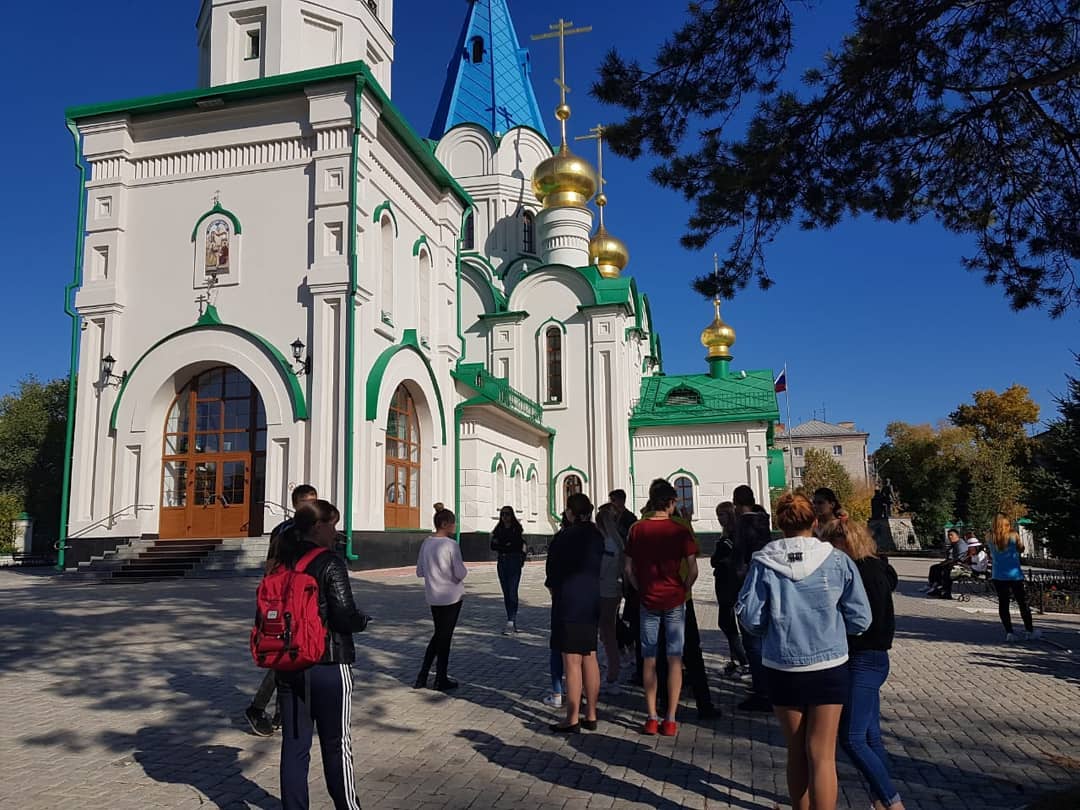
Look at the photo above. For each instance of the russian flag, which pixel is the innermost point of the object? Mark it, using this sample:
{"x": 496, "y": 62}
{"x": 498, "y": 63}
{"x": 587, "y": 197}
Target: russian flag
{"x": 780, "y": 383}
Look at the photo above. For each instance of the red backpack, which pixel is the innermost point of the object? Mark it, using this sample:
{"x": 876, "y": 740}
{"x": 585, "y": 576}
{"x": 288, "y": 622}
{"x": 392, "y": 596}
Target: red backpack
{"x": 289, "y": 633}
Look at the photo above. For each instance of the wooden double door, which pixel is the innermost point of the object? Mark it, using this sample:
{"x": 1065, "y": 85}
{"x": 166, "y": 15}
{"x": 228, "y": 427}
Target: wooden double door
{"x": 214, "y": 459}
{"x": 401, "y": 509}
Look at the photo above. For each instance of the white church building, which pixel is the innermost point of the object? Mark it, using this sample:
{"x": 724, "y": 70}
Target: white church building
{"x": 281, "y": 282}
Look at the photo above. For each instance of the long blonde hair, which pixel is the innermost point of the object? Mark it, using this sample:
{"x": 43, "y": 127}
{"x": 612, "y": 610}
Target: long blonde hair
{"x": 1003, "y": 533}
{"x": 851, "y": 538}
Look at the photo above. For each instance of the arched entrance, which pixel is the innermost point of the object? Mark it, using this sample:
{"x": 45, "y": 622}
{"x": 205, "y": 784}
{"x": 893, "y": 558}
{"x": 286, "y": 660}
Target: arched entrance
{"x": 213, "y": 465}
{"x": 402, "y": 498}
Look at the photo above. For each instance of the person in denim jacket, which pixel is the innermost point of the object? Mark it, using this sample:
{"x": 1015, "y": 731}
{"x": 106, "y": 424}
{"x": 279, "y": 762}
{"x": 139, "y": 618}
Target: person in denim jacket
{"x": 803, "y": 598}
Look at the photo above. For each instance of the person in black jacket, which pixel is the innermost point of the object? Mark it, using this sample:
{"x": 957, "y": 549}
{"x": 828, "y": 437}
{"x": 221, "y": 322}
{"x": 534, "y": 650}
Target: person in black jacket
{"x": 726, "y": 584}
{"x": 574, "y": 560}
{"x": 752, "y": 534}
{"x": 508, "y": 540}
{"x": 320, "y": 697}
{"x": 868, "y": 663}
{"x": 255, "y": 714}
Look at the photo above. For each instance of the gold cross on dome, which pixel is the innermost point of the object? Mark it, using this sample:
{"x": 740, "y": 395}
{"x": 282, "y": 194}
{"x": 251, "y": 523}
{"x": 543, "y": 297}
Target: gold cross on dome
{"x": 561, "y": 30}
{"x": 597, "y": 134}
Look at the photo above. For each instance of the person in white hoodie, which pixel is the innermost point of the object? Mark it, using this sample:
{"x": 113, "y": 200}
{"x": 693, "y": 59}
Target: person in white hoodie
{"x": 803, "y": 598}
{"x": 443, "y": 571}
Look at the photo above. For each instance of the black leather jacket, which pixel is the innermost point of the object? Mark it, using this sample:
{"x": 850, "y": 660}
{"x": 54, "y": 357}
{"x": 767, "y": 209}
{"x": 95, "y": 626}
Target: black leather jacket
{"x": 336, "y": 607}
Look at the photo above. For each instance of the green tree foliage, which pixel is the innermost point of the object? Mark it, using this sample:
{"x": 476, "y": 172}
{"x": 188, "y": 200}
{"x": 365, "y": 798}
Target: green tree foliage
{"x": 925, "y": 466}
{"x": 998, "y": 424}
{"x": 961, "y": 111}
{"x": 822, "y": 470}
{"x": 32, "y": 432}
{"x": 1052, "y": 483}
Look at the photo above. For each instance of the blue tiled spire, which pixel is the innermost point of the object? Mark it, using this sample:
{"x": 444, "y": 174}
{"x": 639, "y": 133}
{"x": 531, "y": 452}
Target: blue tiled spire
{"x": 487, "y": 81}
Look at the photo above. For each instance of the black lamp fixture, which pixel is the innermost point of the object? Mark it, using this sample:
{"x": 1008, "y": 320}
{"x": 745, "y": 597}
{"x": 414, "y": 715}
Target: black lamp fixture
{"x": 298, "y": 353}
{"x": 108, "y": 363}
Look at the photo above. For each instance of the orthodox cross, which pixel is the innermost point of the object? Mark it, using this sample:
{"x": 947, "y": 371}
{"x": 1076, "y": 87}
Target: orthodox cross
{"x": 202, "y": 300}
{"x": 597, "y": 134}
{"x": 217, "y": 198}
{"x": 561, "y": 30}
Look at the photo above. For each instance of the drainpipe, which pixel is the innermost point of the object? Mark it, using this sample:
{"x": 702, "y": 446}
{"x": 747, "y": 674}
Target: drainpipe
{"x": 461, "y": 357}
{"x": 350, "y": 328}
{"x": 73, "y": 369}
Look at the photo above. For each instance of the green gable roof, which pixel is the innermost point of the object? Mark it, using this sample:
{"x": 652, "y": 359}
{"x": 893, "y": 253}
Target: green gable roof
{"x": 700, "y": 399}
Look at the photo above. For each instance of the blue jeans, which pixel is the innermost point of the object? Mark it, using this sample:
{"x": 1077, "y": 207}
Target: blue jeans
{"x": 556, "y": 672}
{"x": 752, "y": 644}
{"x": 509, "y": 568}
{"x": 674, "y": 621}
{"x": 860, "y": 724}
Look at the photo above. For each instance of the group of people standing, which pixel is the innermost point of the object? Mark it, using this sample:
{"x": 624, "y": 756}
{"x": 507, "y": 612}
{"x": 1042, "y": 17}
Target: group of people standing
{"x": 809, "y": 617}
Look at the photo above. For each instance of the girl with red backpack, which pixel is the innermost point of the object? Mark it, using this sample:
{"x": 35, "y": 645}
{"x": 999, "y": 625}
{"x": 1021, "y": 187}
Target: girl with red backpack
{"x": 319, "y": 697}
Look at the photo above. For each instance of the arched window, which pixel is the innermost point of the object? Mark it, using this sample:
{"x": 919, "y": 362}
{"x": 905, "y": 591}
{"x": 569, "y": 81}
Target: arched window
{"x": 553, "y": 350}
{"x": 683, "y": 396}
{"x": 571, "y": 486}
{"x": 534, "y": 493}
{"x": 500, "y": 486}
{"x": 424, "y": 321}
{"x": 468, "y": 238}
{"x": 387, "y": 259}
{"x": 476, "y": 48}
{"x": 684, "y": 491}
{"x": 528, "y": 232}
{"x": 402, "y": 499}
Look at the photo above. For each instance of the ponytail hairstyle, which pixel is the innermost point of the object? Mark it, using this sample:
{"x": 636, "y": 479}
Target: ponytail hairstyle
{"x": 291, "y": 543}
{"x": 444, "y": 517}
{"x": 1003, "y": 533}
{"x": 851, "y": 538}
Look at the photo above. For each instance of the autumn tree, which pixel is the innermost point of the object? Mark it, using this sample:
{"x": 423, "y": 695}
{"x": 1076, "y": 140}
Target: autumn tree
{"x": 926, "y": 466}
{"x": 1052, "y": 483}
{"x": 998, "y": 424}
{"x": 965, "y": 112}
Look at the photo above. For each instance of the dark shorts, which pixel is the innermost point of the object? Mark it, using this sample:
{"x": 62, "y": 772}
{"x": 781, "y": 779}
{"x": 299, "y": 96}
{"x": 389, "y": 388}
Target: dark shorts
{"x": 822, "y": 687}
{"x": 579, "y": 639}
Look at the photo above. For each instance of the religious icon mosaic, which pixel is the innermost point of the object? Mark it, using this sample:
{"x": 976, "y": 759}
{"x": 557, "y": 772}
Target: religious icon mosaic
{"x": 218, "y": 238}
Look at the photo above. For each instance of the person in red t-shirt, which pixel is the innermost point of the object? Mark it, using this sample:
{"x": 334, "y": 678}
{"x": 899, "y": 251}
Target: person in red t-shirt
{"x": 656, "y": 553}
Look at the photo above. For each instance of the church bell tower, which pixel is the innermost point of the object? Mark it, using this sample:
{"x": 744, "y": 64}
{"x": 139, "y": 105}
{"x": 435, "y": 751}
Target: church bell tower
{"x": 242, "y": 40}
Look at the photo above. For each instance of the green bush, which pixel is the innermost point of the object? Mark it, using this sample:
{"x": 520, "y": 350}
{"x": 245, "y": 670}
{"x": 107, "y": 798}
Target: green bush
{"x": 10, "y": 507}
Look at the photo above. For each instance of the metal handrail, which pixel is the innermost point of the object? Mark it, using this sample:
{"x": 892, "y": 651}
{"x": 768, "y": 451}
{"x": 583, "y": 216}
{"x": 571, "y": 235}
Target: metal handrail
{"x": 105, "y": 521}
{"x": 286, "y": 511}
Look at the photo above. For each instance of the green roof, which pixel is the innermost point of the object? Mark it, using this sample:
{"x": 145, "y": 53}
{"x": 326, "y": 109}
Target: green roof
{"x": 281, "y": 85}
{"x": 699, "y": 399}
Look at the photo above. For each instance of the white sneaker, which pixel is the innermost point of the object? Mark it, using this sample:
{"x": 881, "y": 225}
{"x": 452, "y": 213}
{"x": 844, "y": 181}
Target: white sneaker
{"x": 1034, "y": 635}
{"x": 509, "y": 629}
{"x": 1011, "y": 637}
{"x": 553, "y": 700}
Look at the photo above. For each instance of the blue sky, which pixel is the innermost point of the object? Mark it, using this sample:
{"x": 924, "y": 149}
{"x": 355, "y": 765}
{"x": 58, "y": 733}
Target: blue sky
{"x": 876, "y": 322}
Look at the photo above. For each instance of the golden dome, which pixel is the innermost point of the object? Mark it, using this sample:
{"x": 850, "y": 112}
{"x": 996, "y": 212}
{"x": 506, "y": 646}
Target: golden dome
{"x": 608, "y": 253}
{"x": 564, "y": 181}
{"x": 718, "y": 337}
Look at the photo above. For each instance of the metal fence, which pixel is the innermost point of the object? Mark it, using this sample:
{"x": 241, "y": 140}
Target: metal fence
{"x": 1054, "y": 591}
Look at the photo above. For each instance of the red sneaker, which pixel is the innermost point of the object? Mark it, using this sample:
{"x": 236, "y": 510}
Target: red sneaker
{"x": 652, "y": 725}
{"x": 669, "y": 728}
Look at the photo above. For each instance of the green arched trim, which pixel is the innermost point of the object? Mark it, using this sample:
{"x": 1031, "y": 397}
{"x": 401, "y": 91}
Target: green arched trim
{"x": 210, "y": 320}
{"x": 529, "y": 473}
{"x": 496, "y": 461}
{"x": 472, "y": 255}
{"x": 385, "y": 207}
{"x": 679, "y": 473}
{"x": 517, "y": 467}
{"x": 498, "y": 297}
{"x": 507, "y": 266}
{"x": 552, "y": 320}
{"x": 419, "y": 243}
{"x": 584, "y": 477}
{"x": 216, "y": 211}
{"x": 409, "y": 342}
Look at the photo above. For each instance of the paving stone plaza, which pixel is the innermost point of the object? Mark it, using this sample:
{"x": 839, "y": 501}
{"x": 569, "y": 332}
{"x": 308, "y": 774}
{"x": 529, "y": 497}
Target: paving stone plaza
{"x": 131, "y": 696}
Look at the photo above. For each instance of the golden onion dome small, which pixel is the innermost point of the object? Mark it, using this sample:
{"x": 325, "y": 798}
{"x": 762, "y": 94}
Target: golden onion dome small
{"x": 718, "y": 337}
{"x": 564, "y": 181}
{"x": 608, "y": 253}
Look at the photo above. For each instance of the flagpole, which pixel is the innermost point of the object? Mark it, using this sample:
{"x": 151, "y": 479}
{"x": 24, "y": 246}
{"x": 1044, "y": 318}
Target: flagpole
{"x": 791, "y": 444}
